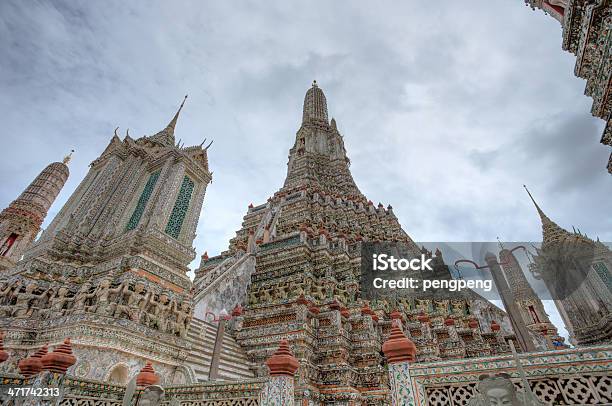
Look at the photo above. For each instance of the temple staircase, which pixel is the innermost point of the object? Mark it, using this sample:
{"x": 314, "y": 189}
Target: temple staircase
{"x": 215, "y": 355}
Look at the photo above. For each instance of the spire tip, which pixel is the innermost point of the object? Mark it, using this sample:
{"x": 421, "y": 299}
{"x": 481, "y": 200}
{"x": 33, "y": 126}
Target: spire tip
{"x": 68, "y": 157}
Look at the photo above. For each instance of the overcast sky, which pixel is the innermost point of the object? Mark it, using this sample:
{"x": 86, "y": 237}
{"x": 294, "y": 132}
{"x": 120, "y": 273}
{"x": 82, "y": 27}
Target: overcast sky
{"x": 446, "y": 109}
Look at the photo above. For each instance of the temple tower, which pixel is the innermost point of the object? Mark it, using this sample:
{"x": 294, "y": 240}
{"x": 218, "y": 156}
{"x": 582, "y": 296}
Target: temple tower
{"x": 527, "y": 301}
{"x": 518, "y": 323}
{"x": 141, "y": 198}
{"x": 110, "y": 271}
{"x": 318, "y": 156}
{"x": 576, "y": 270}
{"x": 20, "y": 222}
{"x": 293, "y": 272}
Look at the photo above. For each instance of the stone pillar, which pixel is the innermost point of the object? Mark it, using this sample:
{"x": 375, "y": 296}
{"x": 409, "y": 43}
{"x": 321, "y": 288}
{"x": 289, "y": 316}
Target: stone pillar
{"x": 50, "y": 381}
{"x": 213, "y": 373}
{"x": 518, "y": 324}
{"x": 400, "y": 351}
{"x": 32, "y": 365}
{"x": 147, "y": 376}
{"x": 266, "y": 234}
{"x": 279, "y": 390}
{"x": 251, "y": 242}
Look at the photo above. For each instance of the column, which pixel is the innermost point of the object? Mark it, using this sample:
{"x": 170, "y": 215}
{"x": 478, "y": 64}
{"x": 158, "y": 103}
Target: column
{"x": 518, "y": 324}
{"x": 49, "y": 379}
{"x": 213, "y": 373}
{"x": 400, "y": 351}
{"x": 279, "y": 390}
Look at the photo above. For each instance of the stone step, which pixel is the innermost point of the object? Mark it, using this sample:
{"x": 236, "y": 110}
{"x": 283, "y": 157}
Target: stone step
{"x": 228, "y": 341}
{"x": 230, "y": 372}
{"x": 201, "y": 357}
{"x": 197, "y": 332}
{"x": 233, "y": 363}
{"x": 198, "y": 337}
{"x": 203, "y": 342}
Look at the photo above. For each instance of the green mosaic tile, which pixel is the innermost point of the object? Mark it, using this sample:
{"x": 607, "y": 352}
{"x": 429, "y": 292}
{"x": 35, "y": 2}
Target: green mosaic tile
{"x": 142, "y": 201}
{"x": 173, "y": 228}
{"x": 603, "y": 273}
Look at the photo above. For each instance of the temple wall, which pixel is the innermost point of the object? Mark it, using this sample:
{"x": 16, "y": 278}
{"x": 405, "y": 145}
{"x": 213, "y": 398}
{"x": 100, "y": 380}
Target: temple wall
{"x": 572, "y": 376}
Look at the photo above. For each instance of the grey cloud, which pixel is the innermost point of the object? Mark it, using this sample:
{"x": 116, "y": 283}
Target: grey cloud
{"x": 446, "y": 111}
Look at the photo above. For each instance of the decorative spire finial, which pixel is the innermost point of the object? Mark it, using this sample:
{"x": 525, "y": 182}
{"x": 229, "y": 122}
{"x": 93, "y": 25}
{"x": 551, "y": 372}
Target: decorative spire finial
{"x": 550, "y": 230}
{"x": 166, "y": 136}
{"x": 175, "y": 118}
{"x": 68, "y": 157}
{"x": 501, "y": 246}
{"x": 540, "y": 212}
{"x": 315, "y": 105}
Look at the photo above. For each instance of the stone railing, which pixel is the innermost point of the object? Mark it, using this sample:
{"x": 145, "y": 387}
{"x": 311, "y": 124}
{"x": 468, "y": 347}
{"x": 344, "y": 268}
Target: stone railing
{"x": 43, "y": 382}
{"x": 227, "y": 288}
{"x": 70, "y": 390}
{"x": 202, "y": 283}
{"x": 81, "y": 392}
{"x": 579, "y": 376}
{"x": 77, "y": 390}
{"x": 243, "y": 393}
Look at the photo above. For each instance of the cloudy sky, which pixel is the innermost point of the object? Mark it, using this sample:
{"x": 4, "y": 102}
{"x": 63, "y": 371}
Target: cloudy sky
{"x": 446, "y": 109}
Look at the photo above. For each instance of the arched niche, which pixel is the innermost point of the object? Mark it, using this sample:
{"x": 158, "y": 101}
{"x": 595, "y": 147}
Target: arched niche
{"x": 119, "y": 374}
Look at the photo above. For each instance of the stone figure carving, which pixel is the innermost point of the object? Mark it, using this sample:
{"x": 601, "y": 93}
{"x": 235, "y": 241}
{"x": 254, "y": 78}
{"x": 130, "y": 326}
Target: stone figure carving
{"x": 151, "y": 396}
{"x": 57, "y": 303}
{"x": 25, "y": 304}
{"x": 80, "y": 299}
{"x": 158, "y": 318}
{"x": 102, "y": 294}
{"x": 8, "y": 292}
{"x": 135, "y": 304}
{"x": 183, "y": 318}
{"x": 317, "y": 291}
{"x": 496, "y": 390}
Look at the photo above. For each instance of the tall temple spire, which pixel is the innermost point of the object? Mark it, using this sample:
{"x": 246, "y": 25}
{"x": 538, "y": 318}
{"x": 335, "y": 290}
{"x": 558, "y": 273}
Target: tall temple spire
{"x": 315, "y": 105}
{"x": 318, "y": 156}
{"x": 20, "y": 222}
{"x": 551, "y": 232}
{"x": 166, "y": 136}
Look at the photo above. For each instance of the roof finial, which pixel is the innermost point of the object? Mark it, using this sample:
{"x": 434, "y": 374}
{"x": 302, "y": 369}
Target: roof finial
{"x": 175, "y": 118}
{"x": 540, "y": 212}
{"x": 68, "y": 157}
{"x": 166, "y": 136}
{"x": 550, "y": 230}
{"x": 315, "y": 105}
{"x": 500, "y": 243}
